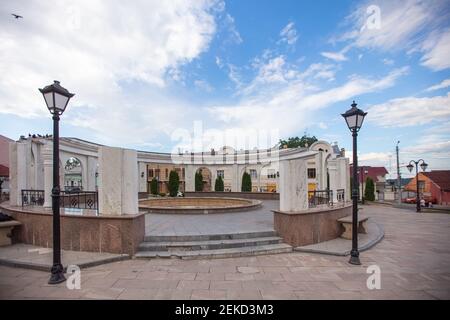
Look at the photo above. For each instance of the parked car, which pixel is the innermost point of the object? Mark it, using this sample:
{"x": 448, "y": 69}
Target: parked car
{"x": 427, "y": 199}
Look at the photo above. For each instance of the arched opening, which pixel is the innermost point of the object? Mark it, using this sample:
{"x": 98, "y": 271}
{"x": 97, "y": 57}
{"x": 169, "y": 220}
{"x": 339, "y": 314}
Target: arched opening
{"x": 205, "y": 174}
{"x": 73, "y": 178}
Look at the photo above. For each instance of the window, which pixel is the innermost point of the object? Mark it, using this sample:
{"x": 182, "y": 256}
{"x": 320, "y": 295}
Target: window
{"x": 311, "y": 173}
{"x": 221, "y": 173}
{"x": 253, "y": 173}
{"x": 271, "y": 174}
{"x": 150, "y": 173}
{"x": 167, "y": 173}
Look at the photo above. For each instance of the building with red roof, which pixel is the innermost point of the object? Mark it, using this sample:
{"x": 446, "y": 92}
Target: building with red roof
{"x": 434, "y": 186}
{"x": 377, "y": 174}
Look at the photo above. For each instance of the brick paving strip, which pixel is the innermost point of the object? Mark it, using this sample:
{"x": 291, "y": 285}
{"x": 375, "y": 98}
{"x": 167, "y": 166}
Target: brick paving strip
{"x": 414, "y": 259}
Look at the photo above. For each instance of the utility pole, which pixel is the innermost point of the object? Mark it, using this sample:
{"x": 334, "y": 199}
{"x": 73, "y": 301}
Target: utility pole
{"x": 399, "y": 179}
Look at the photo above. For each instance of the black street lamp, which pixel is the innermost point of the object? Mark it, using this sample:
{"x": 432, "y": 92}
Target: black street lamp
{"x": 56, "y": 98}
{"x": 354, "y": 118}
{"x": 424, "y": 166}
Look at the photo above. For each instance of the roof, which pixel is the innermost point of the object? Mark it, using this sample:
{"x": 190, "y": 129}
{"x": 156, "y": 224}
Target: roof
{"x": 372, "y": 172}
{"x": 4, "y": 171}
{"x": 439, "y": 177}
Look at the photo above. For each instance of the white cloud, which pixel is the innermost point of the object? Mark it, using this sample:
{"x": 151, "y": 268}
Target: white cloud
{"x": 388, "y": 62}
{"x": 234, "y": 35}
{"x": 437, "y": 51}
{"x": 96, "y": 48}
{"x": 444, "y": 84}
{"x": 290, "y": 106}
{"x": 203, "y": 85}
{"x": 410, "y": 25}
{"x": 336, "y": 56}
{"x": 289, "y": 34}
{"x": 410, "y": 111}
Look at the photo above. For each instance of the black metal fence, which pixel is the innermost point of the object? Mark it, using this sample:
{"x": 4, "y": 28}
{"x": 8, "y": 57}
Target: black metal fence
{"x": 68, "y": 199}
{"x": 340, "y": 195}
{"x": 32, "y": 197}
{"x": 79, "y": 200}
{"x": 320, "y": 197}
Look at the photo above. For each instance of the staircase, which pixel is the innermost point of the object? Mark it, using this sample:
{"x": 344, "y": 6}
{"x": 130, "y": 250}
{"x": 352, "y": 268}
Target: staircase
{"x": 212, "y": 246}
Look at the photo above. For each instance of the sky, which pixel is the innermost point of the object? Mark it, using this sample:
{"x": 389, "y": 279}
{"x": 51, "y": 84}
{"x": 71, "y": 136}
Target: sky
{"x": 193, "y": 75}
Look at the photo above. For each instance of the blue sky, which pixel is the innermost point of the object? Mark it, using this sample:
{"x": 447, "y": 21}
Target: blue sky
{"x": 145, "y": 76}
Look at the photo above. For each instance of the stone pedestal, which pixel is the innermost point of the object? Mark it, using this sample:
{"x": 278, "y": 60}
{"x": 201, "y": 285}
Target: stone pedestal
{"x": 118, "y": 181}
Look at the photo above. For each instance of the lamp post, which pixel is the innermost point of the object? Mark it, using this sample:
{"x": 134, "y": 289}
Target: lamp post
{"x": 56, "y": 98}
{"x": 424, "y": 166}
{"x": 354, "y": 118}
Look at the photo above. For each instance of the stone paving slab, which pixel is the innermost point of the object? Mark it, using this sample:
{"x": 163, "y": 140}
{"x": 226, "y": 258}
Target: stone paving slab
{"x": 414, "y": 259}
{"x": 39, "y": 258}
{"x": 342, "y": 247}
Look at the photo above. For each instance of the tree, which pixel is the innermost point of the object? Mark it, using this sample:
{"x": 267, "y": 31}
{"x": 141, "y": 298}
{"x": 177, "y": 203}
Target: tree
{"x": 154, "y": 186}
{"x": 174, "y": 183}
{"x": 198, "y": 181}
{"x": 295, "y": 142}
{"x": 246, "y": 182}
{"x": 219, "y": 184}
{"x": 369, "y": 192}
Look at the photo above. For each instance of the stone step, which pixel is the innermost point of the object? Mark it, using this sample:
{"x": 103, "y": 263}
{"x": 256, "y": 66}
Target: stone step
{"x": 217, "y": 253}
{"x": 207, "y": 245}
{"x": 207, "y": 237}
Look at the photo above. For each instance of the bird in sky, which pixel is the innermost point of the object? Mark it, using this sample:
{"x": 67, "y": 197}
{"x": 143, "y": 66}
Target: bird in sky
{"x": 16, "y": 16}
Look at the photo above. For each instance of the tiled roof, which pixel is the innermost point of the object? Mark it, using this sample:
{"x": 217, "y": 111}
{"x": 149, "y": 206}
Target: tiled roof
{"x": 440, "y": 177}
{"x": 372, "y": 172}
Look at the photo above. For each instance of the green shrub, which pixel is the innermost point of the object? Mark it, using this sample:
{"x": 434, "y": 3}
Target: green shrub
{"x": 162, "y": 194}
{"x": 154, "y": 186}
{"x": 174, "y": 183}
{"x": 219, "y": 186}
{"x": 246, "y": 182}
{"x": 369, "y": 192}
{"x": 198, "y": 181}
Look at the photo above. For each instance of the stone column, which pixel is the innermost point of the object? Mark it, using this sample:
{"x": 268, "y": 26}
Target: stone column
{"x": 293, "y": 185}
{"x": 14, "y": 194}
{"x": 18, "y": 171}
{"x": 118, "y": 183}
{"x": 333, "y": 171}
{"x": 143, "y": 180}
{"x": 47, "y": 155}
{"x": 189, "y": 178}
{"x": 91, "y": 169}
{"x": 235, "y": 178}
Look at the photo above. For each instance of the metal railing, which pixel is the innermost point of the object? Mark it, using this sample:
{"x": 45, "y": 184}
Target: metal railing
{"x": 79, "y": 200}
{"x": 340, "y": 195}
{"x": 320, "y": 197}
{"x": 32, "y": 197}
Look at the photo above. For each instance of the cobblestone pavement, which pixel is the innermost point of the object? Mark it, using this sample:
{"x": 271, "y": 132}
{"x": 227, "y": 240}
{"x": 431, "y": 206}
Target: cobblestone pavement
{"x": 414, "y": 258}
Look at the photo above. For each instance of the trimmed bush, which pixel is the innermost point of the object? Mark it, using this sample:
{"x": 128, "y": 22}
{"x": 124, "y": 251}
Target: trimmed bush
{"x": 369, "y": 192}
{"x": 246, "y": 182}
{"x": 174, "y": 183}
{"x": 162, "y": 194}
{"x": 198, "y": 181}
{"x": 219, "y": 184}
{"x": 154, "y": 186}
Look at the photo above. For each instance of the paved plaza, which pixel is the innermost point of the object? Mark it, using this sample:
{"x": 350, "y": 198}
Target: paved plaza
{"x": 414, "y": 258}
{"x": 257, "y": 220}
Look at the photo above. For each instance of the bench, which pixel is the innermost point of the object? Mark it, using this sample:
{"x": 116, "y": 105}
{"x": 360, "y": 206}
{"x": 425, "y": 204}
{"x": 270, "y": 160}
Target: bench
{"x": 5, "y": 231}
{"x": 347, "y": 223}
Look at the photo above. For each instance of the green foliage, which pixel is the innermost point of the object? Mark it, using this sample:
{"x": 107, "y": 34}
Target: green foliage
{"x": 294, "y": 142}
{"x": 246, "y": 182}
{"x": 154, "y": 186}
{"x": 174, "y": 183}
{"x": 198, "y": 181}
{"x": 219, "y": 186}
{"x": 162, "y": 194}
{"x": 369, "y": 191}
